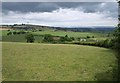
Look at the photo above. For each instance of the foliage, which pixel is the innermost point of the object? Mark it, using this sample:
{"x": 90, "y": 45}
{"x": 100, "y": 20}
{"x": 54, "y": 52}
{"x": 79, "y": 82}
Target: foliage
{"x": 108, "y": 43}
{"x": 117, "y": 45}
{"x": 117, "y": 38}
{"x": 9, "y": 33}
{"x": 30, "y": 38}
{"x": 48, "y": 38}
{"x": 88, "y": 36}
{"x": 16, "y": 32}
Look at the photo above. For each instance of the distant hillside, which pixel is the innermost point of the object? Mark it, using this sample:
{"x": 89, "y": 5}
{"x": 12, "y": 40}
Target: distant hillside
{"x": 89, "y": 29}
{"x": 26, "y": 26}
{"x": 76, "y": 29}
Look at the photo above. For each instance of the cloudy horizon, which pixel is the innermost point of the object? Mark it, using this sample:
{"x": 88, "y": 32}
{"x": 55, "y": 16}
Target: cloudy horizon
{"x": 61, "y": 14}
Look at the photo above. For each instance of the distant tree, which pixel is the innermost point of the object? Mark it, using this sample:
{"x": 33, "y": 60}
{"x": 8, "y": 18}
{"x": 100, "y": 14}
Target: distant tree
{"x": 66, "y": 38}
{"x": 22, "y": 32}
{"x": 88, "y": 36}
{"x": 66, "y": 35}
{"x": 48, "y": 38}
{"x": 40, "y": 30}
{"x": 30, "y": 38}
{"x": 108, "y": 35}
{"x": 72, "y": 38}
{"x": 93, "y": 36}
{"x": 62, "y": 39}
{"x": 14, "y": 32}
{"x": 78, "y": 38}
{"x": 9, "y": 33}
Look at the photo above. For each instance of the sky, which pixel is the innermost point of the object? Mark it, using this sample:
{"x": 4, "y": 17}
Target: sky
{"x": 58, "y": 0}
{"x": 61, "y": 14}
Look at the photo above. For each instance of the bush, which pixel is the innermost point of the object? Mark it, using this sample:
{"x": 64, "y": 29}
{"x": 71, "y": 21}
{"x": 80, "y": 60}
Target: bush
{"x": 22, "y": 32}
{"x": 9, "y": 33}
{"x": 108, "y": 43}
{"x": 30, "y": 38}
{"x": 72, "y": 38}
{"x": 66, "y": 38}
{"x": 14, "y": 32}
{"x": 93, "y": 36}
{"x": 88, "y": 36}
{"x": 48, "y": 38}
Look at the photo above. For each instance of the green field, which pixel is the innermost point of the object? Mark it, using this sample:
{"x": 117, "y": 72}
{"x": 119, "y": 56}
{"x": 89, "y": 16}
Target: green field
{"x": 21, "y": 37}
{"x": 3, "y": 32}
{"x": 22, "y": 61}
{"x": 69, "y": 33}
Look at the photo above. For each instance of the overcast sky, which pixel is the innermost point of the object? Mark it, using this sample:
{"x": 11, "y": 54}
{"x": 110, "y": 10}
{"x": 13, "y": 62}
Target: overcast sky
{"x": 58, "y": 0}
{"x": 62, "y": 14}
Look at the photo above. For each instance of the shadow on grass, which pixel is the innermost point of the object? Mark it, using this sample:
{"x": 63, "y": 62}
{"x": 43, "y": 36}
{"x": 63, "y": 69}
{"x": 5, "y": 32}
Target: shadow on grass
{"x": 109, "y": 75}
{"x": 112, "y": 74}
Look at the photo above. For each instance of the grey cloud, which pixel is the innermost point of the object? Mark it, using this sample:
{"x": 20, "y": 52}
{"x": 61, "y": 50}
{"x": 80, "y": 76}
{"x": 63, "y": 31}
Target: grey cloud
{"x": 47, "y": 6}
{"x": 59, "y": 0}
{"x": 38, "y": 6}
{"x": 88, "y": 7}
{"x": 110, "y": 7}
{"x": 19, "y": 6}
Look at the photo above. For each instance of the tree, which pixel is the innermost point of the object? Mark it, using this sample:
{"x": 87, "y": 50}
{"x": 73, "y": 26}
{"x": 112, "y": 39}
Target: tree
{"x": 117, "y": 46}
{"x": 72, "y": 38}
{"x": 88, "y": 36}
{"x": 93, "y": 36}
{"x": 14, "y": 32}
{"x": 66, "y": 36}
{"x": 9, "y": 33}
{"x": 117, "y": 39}
{"x": 48, "y": 38}
{"x": 30, "y": 38}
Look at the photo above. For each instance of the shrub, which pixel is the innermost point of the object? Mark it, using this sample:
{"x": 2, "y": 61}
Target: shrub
{"x": 9, "y": 33}
{"x": 48, "y": 38}
{"x": 72, "y": 38}
{"x": 88, "y": 36}
{"x": 14, "y": 32}
{"x": 30, "y": 38}
{"x": 93, "y": 36}
{"x": 22, "y": 32}
{"x": 108, "y": 43}
{"x": 66, "y": 38}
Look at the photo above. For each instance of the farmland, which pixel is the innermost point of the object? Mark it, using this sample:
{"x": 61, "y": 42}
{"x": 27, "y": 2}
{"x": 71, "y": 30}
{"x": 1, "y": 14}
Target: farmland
{"x": 38, "y": 38}
{"x": 69, "y": 33}
{"x": 60, "y": 41}
{"x": 46, "y": 61}
{"x": 22, "y": 61}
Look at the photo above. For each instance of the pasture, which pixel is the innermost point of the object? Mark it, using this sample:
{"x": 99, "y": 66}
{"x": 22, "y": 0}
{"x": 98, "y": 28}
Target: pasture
{"x": 53, "y": 62}
{"x": 21, "y": 37}
{"x": 69, "y": 33}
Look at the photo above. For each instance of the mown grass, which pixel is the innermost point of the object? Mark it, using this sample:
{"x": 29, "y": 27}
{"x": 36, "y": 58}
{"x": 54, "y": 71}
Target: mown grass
{"x": 53, "y": 62}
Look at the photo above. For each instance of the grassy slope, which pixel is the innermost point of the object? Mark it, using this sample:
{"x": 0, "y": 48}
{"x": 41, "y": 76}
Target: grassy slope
{"x": 21, "y": 38}
{"x": 57, "y": 62}
{"x": 3, "y": 32}
{"x": 69, "y": 33}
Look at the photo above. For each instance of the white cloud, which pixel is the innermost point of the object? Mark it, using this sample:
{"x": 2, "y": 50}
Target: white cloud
{"x": 61, "y": 17}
